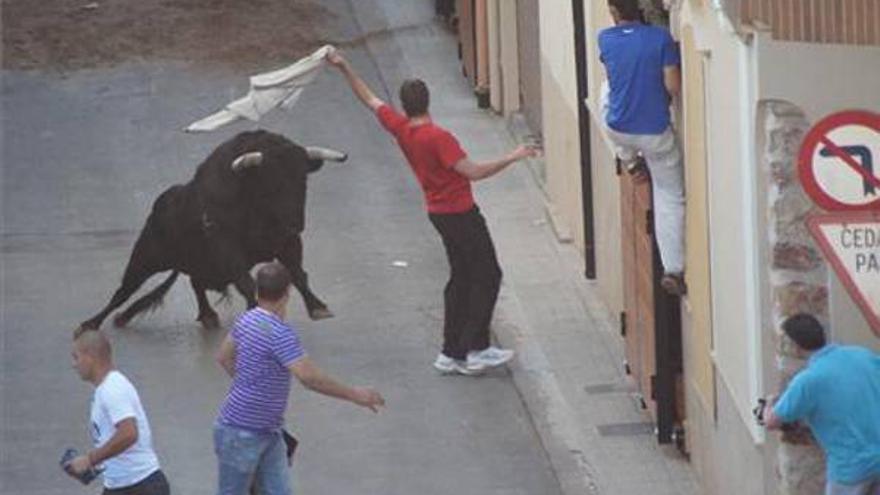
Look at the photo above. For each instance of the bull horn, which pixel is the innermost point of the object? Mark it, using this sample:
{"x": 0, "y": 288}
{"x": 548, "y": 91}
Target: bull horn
{"x": 317, "y": 153}
{"x": 247, "y": 160}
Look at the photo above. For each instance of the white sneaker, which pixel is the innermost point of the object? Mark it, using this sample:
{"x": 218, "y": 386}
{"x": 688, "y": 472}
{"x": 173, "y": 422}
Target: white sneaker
{"x": 448, "y": 366}
{"x": 490, "y": 357}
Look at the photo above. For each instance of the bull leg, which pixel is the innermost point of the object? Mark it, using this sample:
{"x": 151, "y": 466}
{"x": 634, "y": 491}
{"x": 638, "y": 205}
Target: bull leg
{"x": 207, "y": 316}
{"x": 291, "y": 257}
{"x": 131, "y": 281}
{"x": 150, "y": 301}
{"x": 145, "y": 261}
{"x": 245, "y": 286}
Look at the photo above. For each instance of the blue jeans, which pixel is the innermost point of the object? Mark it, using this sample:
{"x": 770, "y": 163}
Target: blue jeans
{"x": 247, "y": 458}
{"x": 870, "y": 486}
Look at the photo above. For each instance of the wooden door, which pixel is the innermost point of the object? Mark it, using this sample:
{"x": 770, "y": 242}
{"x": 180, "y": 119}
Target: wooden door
{"x": 630, "y": 315}
{"x": 645, "y": 320}
{"x": 467, "y": 41}
{"x": 651, "y": 323}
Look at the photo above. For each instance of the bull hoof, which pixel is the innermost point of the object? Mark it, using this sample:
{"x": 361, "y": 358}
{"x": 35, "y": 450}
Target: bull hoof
{"x": 320, "y": 314}
{"x": 209, "y": 321}
{"x": 120, "y": 321}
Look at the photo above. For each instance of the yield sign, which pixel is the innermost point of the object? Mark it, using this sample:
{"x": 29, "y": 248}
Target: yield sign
{"x": 839, "y": 161}
{"x": 851, "y": 243}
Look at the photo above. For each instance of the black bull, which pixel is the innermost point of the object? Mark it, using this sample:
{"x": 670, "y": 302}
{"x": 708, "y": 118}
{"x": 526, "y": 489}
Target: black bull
{"x": 245, "y": 205}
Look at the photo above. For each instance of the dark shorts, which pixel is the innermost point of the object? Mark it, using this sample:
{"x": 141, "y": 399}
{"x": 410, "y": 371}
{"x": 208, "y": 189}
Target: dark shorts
{"x": 154, "y": 484}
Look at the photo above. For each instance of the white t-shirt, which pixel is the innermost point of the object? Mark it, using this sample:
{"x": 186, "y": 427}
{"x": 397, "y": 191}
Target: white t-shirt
{"x": 116, "y": 399}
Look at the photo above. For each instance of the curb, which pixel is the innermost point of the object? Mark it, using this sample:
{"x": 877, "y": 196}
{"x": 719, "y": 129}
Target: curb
{"x": 539, "y": 390}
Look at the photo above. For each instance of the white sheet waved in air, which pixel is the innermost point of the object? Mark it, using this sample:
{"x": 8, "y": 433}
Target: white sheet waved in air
{"x": 269, "y": 90}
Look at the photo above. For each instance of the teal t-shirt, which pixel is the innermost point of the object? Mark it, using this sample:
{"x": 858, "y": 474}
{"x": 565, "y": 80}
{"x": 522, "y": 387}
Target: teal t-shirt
{"x": 838, "y": 395}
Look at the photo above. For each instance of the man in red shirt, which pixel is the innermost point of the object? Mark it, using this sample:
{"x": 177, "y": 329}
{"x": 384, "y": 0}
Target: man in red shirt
{"x": 445, "y": 173}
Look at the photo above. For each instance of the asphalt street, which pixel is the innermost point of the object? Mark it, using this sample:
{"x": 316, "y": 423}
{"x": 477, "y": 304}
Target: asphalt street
{"x": 85, "y": 153}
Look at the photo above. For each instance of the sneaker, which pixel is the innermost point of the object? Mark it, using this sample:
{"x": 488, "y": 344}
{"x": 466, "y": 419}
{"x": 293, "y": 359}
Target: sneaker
{"x": 673, "y": 283}
{"x": 490, "y": 357}
{"x": 637, "y": 168}
{"x": 448, "y": 366}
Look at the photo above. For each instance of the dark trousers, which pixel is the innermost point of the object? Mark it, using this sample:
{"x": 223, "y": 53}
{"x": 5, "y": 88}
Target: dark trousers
{"x": 444, "y": 8}
{"x": 474, "y": 281}
{"x": 154, "y": 484}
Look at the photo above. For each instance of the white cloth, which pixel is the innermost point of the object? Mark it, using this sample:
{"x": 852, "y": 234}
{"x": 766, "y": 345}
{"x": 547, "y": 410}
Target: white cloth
{"x": 116, "y": 399}
{"x": 270, "y": 90}
{"x": 663, "y": 157}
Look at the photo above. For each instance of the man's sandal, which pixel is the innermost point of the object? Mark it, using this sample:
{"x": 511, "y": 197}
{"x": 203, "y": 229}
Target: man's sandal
{"x": 673, "y": 283}
{"x": 636, "y": 168}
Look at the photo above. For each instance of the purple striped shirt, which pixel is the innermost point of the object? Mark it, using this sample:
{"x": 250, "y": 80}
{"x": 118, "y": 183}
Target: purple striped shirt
{"x": 264, "y": 347}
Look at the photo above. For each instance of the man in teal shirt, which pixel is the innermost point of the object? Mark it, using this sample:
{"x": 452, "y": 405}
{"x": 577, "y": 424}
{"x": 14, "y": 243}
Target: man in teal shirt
{"x": 838, "y": 396}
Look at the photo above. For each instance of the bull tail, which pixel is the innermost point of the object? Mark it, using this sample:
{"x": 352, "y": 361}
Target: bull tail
{"x": 149, "y": 302}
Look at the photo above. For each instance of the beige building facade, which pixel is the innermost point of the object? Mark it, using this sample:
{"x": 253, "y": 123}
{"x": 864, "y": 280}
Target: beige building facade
{"x": 757, "y": 74}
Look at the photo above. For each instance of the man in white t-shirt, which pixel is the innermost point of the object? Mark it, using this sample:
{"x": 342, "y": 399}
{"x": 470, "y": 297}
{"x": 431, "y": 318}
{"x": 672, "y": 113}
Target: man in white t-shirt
{"x": 118, "y": 425}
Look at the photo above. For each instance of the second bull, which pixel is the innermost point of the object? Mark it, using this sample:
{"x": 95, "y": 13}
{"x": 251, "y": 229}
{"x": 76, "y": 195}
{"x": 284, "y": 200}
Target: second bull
{"x": 245, "y": 205}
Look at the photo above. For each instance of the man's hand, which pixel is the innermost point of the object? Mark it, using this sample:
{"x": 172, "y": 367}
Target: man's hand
{"x": 771, "y": 420}
{"x": 358, "y": 86}
{"x": 672, "y": 80}
{"x": 79, "y": 465}
{"x": 334, "y": 57}
{"x": 308, "y": 373}
{"x": 524, "y": 151}
{"x": 367, "y": 397}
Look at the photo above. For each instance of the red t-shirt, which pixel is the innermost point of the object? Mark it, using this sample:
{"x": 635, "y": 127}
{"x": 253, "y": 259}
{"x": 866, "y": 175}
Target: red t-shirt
{"x": 432, "y": 152}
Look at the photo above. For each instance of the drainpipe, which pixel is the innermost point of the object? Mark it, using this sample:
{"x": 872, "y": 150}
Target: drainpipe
{"x": 580, "y": 50}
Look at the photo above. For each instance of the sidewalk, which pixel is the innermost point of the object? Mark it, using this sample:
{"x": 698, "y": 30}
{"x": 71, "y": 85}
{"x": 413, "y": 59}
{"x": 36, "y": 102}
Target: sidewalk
{"x": 569, "y": 364}
{"x": 569, "y": 370}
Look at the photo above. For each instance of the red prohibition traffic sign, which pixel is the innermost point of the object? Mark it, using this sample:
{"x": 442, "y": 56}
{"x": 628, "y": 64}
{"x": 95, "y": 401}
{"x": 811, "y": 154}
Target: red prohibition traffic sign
{"x": 839, "y": 161}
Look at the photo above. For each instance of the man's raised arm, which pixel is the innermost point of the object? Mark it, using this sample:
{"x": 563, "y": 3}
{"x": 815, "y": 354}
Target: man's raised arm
{"x": 358, "y": 86}
{"x": 672, "y": 80}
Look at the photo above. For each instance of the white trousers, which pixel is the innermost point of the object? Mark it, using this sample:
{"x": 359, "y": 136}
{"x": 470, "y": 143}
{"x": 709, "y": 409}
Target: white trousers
{"x": 663, "y": 157}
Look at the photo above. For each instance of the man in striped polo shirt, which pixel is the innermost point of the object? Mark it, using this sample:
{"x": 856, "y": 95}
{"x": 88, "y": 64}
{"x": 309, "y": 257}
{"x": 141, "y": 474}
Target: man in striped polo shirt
{"x": 260, "y": 354}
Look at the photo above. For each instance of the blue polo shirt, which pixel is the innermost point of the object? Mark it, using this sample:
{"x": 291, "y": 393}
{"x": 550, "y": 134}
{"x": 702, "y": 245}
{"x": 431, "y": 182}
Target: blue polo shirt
{"x": 838, "y": 395}
{"x": 634, "y": 56}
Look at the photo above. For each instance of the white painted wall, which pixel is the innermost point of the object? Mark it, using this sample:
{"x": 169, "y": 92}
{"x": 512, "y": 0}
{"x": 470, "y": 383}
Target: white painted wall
{"x": 728, "y": 446}
{"x": 824, "y": 79}
{"x": 561, "y": 120}
{"x": 734, "y": 227}
{"x": 820, "y": 79}
{"x": 741, "y": 74}
{"x": 606, "y": 184}
{"x": 557, "y": 47}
